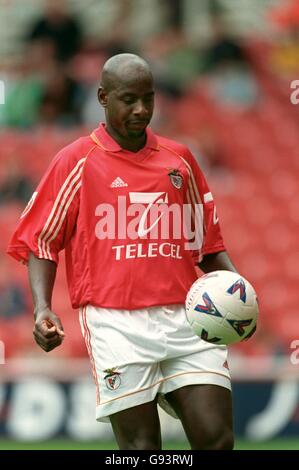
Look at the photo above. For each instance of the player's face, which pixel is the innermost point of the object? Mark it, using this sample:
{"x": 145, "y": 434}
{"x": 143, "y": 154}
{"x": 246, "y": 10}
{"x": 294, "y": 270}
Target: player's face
{"x": 129, "y": 107}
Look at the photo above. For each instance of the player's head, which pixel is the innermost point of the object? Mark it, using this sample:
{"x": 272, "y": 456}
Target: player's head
{"x": 127, "y": 94}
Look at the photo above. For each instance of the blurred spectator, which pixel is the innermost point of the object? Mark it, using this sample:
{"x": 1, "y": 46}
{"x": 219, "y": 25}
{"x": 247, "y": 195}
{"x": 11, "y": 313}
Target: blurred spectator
{"x": 231, "y": 79}
{"x": 223, "y": 46}
{"x": 175, "y": 13}
{"x": 12, "y": 294}
{"x": 42, "y": 92}
{"x": 23, "y": 96}
{"x": 175, "y": 63}
{"x": 286, "y": 15}
{"x": 58, "y": 28}
{"x": 118, "y": 39}
{"x": 15, "y": 185}
{"x": 92, "y": 113}
{"x": 284, "y": 57}
{"x": 61, "y": 100}
{"x": 234, "y": 85}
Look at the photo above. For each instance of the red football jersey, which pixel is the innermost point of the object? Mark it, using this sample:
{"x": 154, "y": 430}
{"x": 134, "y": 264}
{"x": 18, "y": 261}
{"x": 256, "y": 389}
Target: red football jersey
{"x": 133, "y": 225}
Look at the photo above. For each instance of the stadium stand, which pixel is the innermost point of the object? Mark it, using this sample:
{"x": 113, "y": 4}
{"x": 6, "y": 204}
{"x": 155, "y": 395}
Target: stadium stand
{"x": 257, "y": 200}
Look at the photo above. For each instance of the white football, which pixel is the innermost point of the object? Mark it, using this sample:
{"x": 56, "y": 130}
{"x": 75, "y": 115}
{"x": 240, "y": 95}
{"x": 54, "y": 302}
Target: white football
{"x": 222, "y": 307}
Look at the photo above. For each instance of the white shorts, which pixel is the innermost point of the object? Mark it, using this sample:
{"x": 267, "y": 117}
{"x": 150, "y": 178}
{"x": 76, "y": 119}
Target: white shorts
{"x": 138, "y": 354}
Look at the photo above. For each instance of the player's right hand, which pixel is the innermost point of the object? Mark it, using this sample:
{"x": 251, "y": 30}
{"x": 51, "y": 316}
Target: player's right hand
{"x": 48, "y": 331}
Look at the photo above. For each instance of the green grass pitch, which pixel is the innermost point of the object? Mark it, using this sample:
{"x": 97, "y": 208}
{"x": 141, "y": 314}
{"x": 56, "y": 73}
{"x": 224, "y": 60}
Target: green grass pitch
{"x": 63, "y": 444}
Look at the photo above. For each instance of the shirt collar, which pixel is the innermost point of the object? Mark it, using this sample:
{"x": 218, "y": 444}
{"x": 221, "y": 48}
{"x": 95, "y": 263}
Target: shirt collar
{"x": 104, "y": 140}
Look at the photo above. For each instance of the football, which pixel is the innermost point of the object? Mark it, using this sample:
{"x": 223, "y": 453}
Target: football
{"x": 222, "y": 308}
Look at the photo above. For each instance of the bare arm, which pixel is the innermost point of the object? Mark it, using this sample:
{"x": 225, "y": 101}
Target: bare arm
{"x": 217, "y": 262}
{"x": 48, "y": 330}
{"x": 42, "y": 275}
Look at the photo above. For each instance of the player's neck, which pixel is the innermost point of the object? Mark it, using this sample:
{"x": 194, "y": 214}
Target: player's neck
{"x": 133, "y": 144}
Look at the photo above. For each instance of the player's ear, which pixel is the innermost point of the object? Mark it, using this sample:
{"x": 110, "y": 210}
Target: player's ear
{"x": 102, "y": 96}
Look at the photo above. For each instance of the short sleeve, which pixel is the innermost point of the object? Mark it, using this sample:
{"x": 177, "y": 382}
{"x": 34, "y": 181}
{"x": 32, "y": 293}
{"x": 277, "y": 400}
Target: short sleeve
{"x": 48, "y": 221}
{"x": 201, "y": 194}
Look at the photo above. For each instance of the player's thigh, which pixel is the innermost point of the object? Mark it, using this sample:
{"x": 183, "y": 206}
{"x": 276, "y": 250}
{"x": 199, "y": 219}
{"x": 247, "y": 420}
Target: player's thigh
{"x": 206, "y": 414}
{"x": 137, "y": 427}
{"x": 126, "y": 367}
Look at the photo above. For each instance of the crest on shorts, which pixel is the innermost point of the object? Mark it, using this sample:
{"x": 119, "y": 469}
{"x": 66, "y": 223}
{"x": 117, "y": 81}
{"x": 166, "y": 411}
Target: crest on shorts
{"x": 112, "y": 378}
{"x": 175, "y": 177}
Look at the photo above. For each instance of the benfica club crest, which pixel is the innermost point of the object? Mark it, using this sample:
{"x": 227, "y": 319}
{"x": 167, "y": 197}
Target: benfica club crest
{"x": 112, "y": 378}
{"x": 176, "y": 178}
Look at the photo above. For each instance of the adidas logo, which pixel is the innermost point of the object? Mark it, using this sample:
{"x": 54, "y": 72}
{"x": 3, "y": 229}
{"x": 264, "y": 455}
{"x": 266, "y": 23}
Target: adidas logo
{"x": 118, "y": 183}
